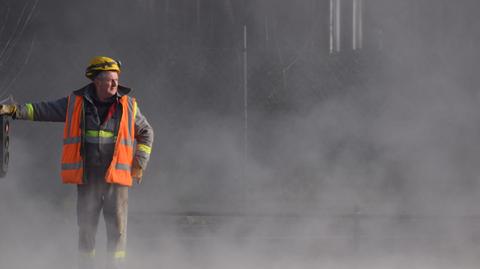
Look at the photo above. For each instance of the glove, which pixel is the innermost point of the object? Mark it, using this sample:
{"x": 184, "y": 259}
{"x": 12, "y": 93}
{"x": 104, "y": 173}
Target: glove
{"x": 8, "y": 109}
{"x": 137, "y": 174}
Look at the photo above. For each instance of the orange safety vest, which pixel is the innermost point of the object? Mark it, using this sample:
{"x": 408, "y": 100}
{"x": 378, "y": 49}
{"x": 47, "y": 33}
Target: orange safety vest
{"x": 72, "y": 161}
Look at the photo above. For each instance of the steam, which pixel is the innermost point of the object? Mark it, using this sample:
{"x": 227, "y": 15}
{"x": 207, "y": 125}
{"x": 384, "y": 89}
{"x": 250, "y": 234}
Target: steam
{"x": 362, "y": 159}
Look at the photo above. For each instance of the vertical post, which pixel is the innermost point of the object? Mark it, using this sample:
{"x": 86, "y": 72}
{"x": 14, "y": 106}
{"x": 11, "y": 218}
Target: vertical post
{"x": 335, "y": 6}
{"x": 337, "y": 24}
{"x": 267, "y": 34}
{"x": 360, "y": 24}
{"x": 165, "y": 24}
{"x": 357, "y": 26}
{"x": 331, "y": 26}
{"x": 245, "y": 102}
{"x": 198, "y": 14}
{"x": 354, "y": 24}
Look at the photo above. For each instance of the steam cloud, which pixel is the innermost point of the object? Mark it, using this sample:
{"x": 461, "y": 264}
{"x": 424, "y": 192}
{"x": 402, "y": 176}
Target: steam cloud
{"x": 364, "y": 159}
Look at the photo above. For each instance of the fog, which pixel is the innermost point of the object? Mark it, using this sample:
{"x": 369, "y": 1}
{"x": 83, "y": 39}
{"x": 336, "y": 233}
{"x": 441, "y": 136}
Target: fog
{"x": 361, "y": 158}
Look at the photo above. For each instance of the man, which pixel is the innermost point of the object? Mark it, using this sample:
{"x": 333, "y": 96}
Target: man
{"x": 101, "y": 125}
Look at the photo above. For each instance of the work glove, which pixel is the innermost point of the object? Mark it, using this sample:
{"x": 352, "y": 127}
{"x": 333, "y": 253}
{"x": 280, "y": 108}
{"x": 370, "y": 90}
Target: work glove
{"x": 137, "y": 173}
{"x": 8, "y": 109}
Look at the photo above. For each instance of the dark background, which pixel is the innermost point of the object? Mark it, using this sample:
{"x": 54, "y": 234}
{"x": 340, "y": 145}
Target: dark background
{"x": 369, "y": 147}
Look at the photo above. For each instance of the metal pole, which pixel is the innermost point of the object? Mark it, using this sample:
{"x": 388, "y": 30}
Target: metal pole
{"x": 267, "y": 34}
{"x": 360, "y": 24}
{"x": 198, "y": 13}
{"x": 245, "y": 102}
{"x": 354, "y": 24}
{"x": 331, "y": 28}
{"x": 335, "y": 6}
{"x": 337, "y": 24}
{"x": 357, "y": 24}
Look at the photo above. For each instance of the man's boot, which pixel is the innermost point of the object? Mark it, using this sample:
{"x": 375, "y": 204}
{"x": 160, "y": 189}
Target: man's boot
{"x": 116, "y": 260}
{"x": 86, "y": 260}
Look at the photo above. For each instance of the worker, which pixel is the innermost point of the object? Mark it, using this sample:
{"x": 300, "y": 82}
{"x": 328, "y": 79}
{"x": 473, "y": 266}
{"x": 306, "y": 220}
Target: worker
{"x": 102, "y": 125}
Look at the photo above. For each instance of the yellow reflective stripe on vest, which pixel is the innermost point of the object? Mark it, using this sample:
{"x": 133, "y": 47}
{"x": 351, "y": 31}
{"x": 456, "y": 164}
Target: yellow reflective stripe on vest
{"x": 144, "y": 148}
{"x": 99, "y": 137}
{"x": 134, "y": 109}
{"x": 29, "y": 108}
{"x": 101, "y": 133}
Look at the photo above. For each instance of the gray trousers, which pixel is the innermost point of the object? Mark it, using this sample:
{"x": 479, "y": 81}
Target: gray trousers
{"x": 93, "y": 197}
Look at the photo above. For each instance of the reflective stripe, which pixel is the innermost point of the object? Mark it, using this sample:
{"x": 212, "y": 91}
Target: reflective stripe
{"x": 144, "y": 148}
{"x": 134, "y": 110}
{"x": 119, "y": 254}
{"x": 71, "y": 166}
{"x": 72, "y": 140}
{"x": 101, "y": 133}
{"x": 131, "y": 112}
{"x": 29, "y": 108}
{"x": 99, "y": 137}
{"x": 127, "y": 142}
{"x": 122, "y": 166}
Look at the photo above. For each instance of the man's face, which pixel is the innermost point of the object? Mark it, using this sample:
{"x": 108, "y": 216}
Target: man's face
{"x": 106, "y": 84}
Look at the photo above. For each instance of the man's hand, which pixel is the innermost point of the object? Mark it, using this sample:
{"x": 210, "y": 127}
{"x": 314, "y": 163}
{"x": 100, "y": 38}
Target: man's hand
{"x": 8, "y": 109}
{"x": 137, "y": 174}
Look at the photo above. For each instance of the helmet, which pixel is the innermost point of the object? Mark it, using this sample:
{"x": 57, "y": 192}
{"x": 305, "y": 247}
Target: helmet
{"x": 101, "y": 63}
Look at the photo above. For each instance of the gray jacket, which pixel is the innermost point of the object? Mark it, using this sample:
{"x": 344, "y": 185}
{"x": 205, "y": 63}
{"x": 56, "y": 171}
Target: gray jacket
{"x": 55, "y": 111}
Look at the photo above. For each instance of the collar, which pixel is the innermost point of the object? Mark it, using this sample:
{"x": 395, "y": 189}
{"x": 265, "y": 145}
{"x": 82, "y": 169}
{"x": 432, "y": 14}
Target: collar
{"x": 84, "y": 91}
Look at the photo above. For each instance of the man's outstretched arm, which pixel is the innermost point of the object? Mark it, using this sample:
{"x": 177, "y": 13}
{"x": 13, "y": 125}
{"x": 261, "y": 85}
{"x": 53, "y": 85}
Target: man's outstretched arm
{"x": 43, "y": 111}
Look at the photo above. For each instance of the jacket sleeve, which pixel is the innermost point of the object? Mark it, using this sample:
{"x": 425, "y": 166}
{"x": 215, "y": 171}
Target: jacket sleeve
{"x": 43, "y": 111}
{"x": 144, "y": 138}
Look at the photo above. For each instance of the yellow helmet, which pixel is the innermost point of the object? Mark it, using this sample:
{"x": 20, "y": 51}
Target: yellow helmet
{"x": 101, "y": 63}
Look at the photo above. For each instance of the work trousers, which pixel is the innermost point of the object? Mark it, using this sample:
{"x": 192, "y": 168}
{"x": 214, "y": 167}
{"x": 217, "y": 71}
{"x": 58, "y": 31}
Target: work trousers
{"x": 94, "y": 196}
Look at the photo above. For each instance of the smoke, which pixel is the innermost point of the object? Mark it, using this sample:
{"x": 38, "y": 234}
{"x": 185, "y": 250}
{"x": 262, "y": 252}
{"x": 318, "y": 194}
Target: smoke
{"x": 358, "y": 159}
